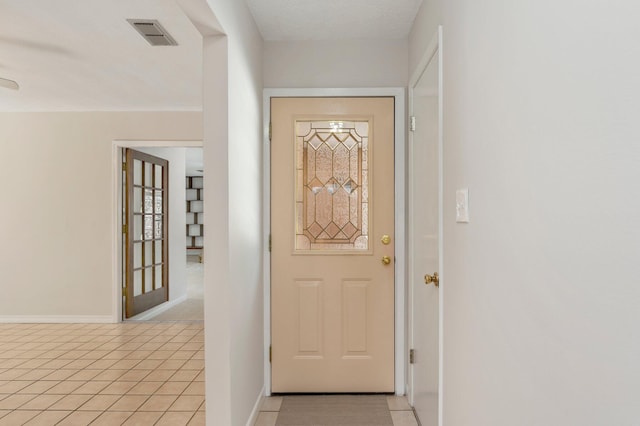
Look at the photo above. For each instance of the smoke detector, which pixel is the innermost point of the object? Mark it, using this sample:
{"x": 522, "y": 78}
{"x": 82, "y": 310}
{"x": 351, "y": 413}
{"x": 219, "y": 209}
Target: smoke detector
{"x": 153, "y": 32}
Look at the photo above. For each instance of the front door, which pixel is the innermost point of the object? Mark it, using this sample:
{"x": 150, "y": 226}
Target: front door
{"x": 146, "y": 232}
{"x": 332, "y": 260}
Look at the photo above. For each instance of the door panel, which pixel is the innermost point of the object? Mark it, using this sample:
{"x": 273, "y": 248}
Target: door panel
{"x": 332, "y": 189}
{"x": 424, "y": 242}
{"x": 146, "y": 236}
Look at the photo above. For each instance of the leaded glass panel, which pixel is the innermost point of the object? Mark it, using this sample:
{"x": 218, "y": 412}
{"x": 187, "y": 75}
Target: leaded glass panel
{"x": 332, "y": 185}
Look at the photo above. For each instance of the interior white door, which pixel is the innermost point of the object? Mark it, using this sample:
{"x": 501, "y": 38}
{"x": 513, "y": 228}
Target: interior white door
{"x": 425, "y": 185}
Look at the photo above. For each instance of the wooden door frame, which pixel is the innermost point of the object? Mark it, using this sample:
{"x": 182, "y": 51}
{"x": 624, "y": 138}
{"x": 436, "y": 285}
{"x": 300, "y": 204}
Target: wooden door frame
{"x": 400, "y": 367}
{"x": 434, "y": 48}
{"x": 116, "y": 208}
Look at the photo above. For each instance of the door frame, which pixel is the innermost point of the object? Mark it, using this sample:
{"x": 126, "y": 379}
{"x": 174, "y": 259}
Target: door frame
{"x": 434, "y": 48}
{"x": 116, "y": 209}
{"x": 398, "y": 93}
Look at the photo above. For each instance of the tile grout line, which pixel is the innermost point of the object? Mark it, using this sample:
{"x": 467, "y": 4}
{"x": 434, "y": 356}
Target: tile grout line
{"x": 141, "y": 338}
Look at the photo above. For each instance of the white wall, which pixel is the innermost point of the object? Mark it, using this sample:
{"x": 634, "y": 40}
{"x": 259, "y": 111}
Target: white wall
{"x": 56, "y": 226}
{"x": 343, "y": 63}
{"x": 233, "y": 213}
{"x": 540, "y": 292}
{"x": 177, "y": 218}
{"x": 424, "y": 29}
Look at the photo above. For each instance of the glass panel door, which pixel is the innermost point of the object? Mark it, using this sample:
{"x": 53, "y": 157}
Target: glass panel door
{"x": 146, "y": 249}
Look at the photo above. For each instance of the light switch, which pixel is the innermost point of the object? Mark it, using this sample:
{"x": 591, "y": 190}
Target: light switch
{"x": 462, "y": 205}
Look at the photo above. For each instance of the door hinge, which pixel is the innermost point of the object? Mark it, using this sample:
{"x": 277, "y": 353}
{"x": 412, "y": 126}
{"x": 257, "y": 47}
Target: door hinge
{"x": 412, "y": 356}
{"x": 270, "y": 354}
{"x": 124, "y": 228}
{"x": 124, "y": 167}
{"x": 412, "y": 123}
{"x": 269, "y": 243}
{"x": 270, "y": 131}
{"x": 124, "y": 291}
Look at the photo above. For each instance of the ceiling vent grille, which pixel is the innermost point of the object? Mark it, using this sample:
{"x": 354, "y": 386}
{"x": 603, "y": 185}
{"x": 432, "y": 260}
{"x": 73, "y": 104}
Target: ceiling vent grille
{"x": 153, "y": 32}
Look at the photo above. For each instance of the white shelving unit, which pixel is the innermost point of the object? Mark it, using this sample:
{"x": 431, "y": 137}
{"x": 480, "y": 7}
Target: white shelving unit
{"x": 195, "y": 215}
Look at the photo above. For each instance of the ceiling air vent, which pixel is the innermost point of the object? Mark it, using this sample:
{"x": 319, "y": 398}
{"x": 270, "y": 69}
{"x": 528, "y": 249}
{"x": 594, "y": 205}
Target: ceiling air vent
{"x": 153, "y": 32}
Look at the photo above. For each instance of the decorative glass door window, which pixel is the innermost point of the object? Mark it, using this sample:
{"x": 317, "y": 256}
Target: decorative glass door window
{"x": 148, "y": 226}
{"x": 146, "y": 216}
{"x": 332, "y": 185}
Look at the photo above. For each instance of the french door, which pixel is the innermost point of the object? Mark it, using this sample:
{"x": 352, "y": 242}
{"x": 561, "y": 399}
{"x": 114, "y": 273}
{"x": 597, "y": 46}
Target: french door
{"x": 146, "y": 232}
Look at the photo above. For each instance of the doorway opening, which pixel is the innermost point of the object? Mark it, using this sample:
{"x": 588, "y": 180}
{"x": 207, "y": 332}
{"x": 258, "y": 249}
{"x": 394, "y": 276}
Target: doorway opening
{"x": 144, "y": 260}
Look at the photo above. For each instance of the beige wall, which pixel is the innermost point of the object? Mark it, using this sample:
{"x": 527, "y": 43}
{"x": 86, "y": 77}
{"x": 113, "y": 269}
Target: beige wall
{"x": 540, "y": 295}
{"x": 344, "y": 63}
{"x": 56, "y": 181}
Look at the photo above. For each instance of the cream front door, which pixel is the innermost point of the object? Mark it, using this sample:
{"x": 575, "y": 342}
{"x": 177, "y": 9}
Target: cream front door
{"x": 332, "y": 234}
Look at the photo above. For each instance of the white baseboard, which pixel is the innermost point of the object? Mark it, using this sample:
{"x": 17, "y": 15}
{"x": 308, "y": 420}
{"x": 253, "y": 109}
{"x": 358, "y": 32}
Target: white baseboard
{"x": 256, "y": 409}
{"x": 52, "y": 319}
{"x": 149, "y": 314}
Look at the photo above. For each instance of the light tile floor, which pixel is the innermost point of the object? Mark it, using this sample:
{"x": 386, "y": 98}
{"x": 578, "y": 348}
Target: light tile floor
{"x": 401, "y": 412}
{"x": 102, "y": 374}
{"x": 191, "y": 309}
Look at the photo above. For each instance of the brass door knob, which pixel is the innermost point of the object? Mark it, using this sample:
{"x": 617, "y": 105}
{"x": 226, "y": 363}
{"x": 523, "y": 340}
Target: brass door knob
{"x": 386, "y": 260}
{"x": 428, "y": 279}
{"x": 386, "y": 240}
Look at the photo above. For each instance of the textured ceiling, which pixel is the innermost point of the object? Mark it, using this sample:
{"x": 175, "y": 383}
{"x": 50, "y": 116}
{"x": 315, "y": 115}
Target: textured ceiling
{"x": 79, "y": 55}
{"x": 83, "y": 55}
{"x": 334, "y": 19}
